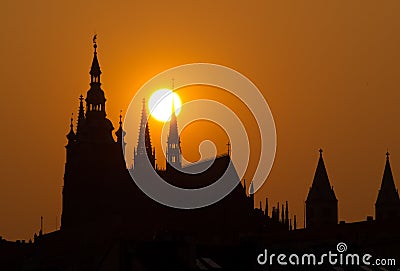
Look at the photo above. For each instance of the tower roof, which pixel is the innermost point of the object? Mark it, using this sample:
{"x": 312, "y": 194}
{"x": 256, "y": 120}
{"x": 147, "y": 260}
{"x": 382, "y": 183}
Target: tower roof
{"x": 388, "y": 192}
{"x": 95, "y": 95}
{"x": 173, "y": 135}
{"x": 321, "y": 189}
{"x": 95, "y": 69}
{"x": 144, "y": 141}
{"x": 71, "y": 135}
{"x": 120, "y": 133}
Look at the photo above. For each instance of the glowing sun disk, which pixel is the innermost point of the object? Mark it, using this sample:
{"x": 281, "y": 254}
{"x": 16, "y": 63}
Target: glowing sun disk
{"x": 160, "y": 104}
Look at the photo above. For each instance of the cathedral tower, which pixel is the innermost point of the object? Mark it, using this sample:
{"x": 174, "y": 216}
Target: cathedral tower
{"x": 144, "y": 150}
{"x": 174, "y": 156}
{"x": 96, "y": 181}
{"x": 321, "y": 203}
{"x": 387, "y": 206}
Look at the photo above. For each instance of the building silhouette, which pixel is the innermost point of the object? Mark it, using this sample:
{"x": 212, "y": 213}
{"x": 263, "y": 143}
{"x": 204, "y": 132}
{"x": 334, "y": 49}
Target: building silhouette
{"x": 99, "y": 192}
{"x": 108, "y": 223}
{"x": 144, "y": 150}
{"x": 96, "y": 182}
{"x": 387, "y": 206}
{"x": 174, "y": 156}
{"x": 321, "y": 203}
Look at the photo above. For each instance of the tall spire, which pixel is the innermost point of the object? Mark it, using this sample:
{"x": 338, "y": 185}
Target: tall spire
{"x": 321, "y": 203}
{"x": 95, "y": 100}
{"x": 81, "y": 116}
{"x": 144, "y": 148}
{"x": 95, "y": 69}
{"x": 174, "y": 157}
{"x": 387, "y": 204}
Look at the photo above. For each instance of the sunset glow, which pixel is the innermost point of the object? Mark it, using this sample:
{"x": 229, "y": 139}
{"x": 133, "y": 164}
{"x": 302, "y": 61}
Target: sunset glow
{"x": 160, "y": 104}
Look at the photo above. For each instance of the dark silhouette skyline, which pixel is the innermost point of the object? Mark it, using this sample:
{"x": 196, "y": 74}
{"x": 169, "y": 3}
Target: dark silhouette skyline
{"x": 103, "y": 209}
{"x": 329, "y": 72}
{"x": 99, "y": 192}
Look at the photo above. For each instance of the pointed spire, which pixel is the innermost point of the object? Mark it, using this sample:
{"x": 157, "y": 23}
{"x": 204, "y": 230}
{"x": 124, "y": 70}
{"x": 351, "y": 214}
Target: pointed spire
{"x": 283, "y": 215}
{"x": 388, "y": 193}
{"x": 294, "y": 222}
{"x": 260, "y": 205}
{"x": 174, "y": 157}
{"x": 81, "y": 116}
{"x": 144, "y": 149}
{"x": 95, "y": 69}
{"x": 244, "y": 185}
{"x": 95, "y": 99}
{"x": 321, "y": 204}
{"x": 266, "y": 206}
{"x": 321, "y": 188}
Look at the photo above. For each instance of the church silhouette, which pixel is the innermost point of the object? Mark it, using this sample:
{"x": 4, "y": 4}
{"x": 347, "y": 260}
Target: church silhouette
{"x": 108, "y": 223}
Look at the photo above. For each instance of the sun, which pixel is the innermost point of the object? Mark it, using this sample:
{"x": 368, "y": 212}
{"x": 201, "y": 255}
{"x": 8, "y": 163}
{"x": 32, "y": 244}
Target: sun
{"x": 160, "y": 104}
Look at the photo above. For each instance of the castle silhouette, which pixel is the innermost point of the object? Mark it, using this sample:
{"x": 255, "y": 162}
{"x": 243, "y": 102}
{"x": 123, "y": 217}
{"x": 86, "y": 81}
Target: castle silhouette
{"x": 99, "y": 192}
{"x": 108, "y": 223}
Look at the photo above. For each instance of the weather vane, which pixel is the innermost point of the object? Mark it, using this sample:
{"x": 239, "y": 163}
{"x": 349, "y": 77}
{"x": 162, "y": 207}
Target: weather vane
{"x": 94, "y": 38}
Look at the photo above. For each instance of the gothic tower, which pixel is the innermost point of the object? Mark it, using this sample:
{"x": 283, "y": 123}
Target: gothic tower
{"x": 144, "y": 150}
{"x": 174, "y": 157}
{"x": 96, "y": 181}
{"x": 387, "y": 206}
{"x": 321, "y": 203}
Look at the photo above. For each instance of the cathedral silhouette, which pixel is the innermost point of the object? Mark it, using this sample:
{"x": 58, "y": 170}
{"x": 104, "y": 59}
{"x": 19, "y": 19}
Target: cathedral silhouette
{"x": 108, "y": 223}
{"x": 99, "y": 192}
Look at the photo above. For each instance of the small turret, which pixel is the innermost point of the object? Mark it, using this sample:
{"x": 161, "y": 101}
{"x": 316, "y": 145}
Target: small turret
{"x": 71, "y": 135}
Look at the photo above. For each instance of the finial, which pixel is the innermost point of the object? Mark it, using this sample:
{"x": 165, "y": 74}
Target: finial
{"x": 387, "y": 154}
{"x": 81, "y": 98}
{"x": 120, "y": 117}
{"x": 320, "y": 152}
{"x": 229, "y": 148}
{"x": 95, "y": 42}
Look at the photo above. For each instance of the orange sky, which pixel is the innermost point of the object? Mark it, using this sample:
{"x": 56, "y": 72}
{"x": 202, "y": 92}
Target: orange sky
{"x": 328, "y": 69}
